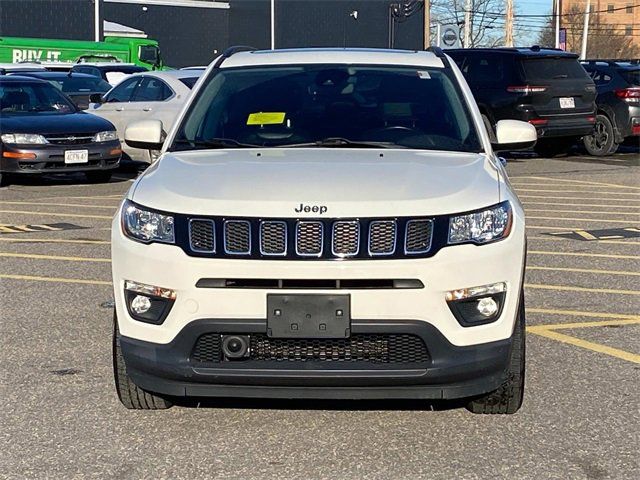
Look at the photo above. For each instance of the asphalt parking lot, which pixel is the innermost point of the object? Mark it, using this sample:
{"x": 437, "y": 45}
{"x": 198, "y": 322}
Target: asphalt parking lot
{"x": 580, "y": 420}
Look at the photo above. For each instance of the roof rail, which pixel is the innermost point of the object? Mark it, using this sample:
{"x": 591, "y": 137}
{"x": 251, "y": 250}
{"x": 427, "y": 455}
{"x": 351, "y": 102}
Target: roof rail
{"x": 612, "y": 61}
{"x": 231, "y": 51}
{"x": 438, "y": 52}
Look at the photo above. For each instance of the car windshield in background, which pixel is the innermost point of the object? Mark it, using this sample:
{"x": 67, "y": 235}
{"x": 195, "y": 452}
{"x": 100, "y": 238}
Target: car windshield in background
{"x": 631, "y": 76}
{"x": 332, "y": 106}
{"x": 546, "y": 68}
{"x": 189, "y": 81}
{"x": 32, "y": 98}
{"x": 81, "y": 85}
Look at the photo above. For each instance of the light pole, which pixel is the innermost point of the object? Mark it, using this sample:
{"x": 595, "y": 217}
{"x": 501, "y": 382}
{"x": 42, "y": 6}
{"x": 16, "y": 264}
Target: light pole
{"x": 273, "y": 24}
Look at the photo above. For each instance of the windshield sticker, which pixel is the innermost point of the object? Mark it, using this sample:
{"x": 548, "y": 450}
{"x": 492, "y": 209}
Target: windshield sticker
{"x": 424, "y": 75}
{"x": 266, "y": 118}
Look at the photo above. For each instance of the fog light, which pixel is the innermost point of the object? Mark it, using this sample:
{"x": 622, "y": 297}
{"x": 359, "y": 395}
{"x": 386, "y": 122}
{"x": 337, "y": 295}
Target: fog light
{"x": 148, "y": 303}
{"x": 487, "y": 307}
{"x": 141, "y": 304}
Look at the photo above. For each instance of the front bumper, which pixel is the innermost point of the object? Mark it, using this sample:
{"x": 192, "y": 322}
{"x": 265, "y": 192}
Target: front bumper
{"x": 449, "y": 372}
{"x": 50, "y": 158}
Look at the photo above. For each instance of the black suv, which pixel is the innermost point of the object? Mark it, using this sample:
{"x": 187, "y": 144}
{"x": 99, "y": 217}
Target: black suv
{"x": 545, "y": 87}
{"x": 618, "y": 102}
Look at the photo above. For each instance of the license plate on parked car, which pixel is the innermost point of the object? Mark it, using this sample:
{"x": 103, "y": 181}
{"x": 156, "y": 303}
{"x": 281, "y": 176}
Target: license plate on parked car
{"x": 567, "y": 102}
{"x": 76, "y": 156}
{"x": 308, "y": 316}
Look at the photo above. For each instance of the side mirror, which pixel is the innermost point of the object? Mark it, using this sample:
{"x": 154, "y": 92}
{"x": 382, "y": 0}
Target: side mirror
{"x": 96, "y": 98}
{"x": 145, "y": 134}
{"x": 514, "y": 135}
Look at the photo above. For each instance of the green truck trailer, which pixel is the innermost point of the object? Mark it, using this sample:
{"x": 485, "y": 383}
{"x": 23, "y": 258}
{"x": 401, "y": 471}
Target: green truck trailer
{"x": 141, "y": 51}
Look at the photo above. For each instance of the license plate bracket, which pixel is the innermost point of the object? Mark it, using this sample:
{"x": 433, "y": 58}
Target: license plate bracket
{"x": 567, "y": 102}
{"x": 76, "y": 156}
{"x": 308, "y": 316}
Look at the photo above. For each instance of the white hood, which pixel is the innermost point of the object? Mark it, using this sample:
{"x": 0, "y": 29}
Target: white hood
{"x": 348, "y": 182}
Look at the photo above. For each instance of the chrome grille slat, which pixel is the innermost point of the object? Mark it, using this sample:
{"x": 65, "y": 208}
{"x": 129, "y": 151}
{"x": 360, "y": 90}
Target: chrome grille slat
{"x": 345, "y": 238}
{"x": 237, "y": 237}
{"x": 382, "y": 237}
{"x": 309, "y": 238}
{"x": 418, "y": 236}
{"x": 273, "y": 238}
{"x": 202, "y": 235}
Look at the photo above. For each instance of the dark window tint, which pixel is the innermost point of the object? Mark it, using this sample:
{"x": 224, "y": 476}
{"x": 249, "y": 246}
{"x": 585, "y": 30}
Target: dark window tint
{"x": 124, "y": 91}
{"x": 484, "y": 68}
{"x": 152, "y": 90}
{"x": 546, "y": 68}
{"x": 631, "y": 76}
{"x": 600, "y": 78}
{"x": 189, "y": 82}
{"x": 21, "y": 98}
{"x": 85, "y": 85}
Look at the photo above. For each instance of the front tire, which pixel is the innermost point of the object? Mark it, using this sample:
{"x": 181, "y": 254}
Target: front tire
{"x": 601, "y": 141}
{"x": 507, "y": 399}
{"x": 130, "y": 395}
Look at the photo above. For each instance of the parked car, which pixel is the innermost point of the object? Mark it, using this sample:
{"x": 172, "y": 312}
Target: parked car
{"x": 323, "y": 223}
{"x": 42, "y": 131}
{"x": 111, "y": 72}
{"x": 77, "y": 86}
{"x": 618, "y": 102}
{"x": 149, "y": 95}
{"x": 545, "y": 87}
{"x": 6, "y": 68}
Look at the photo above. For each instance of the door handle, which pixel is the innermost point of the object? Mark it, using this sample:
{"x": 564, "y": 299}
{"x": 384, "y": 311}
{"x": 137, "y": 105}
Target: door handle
{"x": 119, "y": 109}
{"x": 146, "y": 109}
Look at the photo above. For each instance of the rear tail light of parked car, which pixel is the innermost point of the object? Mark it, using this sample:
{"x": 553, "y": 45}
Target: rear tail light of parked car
{"x": 630, "y": 95}
{"x": 538, "y": 121}
{"x": 635, "y": 126}
{"x": 526, "y": 89}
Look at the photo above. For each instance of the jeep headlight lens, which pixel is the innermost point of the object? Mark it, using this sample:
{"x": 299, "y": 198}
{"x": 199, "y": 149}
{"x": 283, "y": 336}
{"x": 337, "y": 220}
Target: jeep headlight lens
{"x": 107, "y": 136}
{"x": 23, "y": 138}
{"x": 147, "y": 226}
{"x": 481, "y": 227}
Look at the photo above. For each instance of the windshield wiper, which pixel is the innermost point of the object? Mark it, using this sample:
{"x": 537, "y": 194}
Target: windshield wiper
{"x": 215, "y": 143}
{"x": 338, "y": 142}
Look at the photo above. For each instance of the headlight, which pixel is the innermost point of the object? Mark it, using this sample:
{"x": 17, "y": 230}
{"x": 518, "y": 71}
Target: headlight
{"x": 481, "y": 227}
{"x": 23, "y": 138}
{"x": 106, "y": 136}
{"x": 146, "y": 226}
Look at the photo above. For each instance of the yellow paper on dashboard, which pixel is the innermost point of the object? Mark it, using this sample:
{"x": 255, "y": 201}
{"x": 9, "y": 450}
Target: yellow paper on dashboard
{"x": 266, "y": 118}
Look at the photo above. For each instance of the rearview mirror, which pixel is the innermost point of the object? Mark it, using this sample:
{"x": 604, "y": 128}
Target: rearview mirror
{"x": 96, "y": 98}
{"x": 514, "y": 135}
{"x": 145, "y": 134}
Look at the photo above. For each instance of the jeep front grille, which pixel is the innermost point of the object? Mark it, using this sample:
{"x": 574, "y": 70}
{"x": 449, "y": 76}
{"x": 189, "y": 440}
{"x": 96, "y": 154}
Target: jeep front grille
{"x": 329, "y": 239}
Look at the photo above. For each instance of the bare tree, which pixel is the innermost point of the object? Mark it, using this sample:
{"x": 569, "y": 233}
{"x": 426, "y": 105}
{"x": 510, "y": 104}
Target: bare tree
{"x": 487, "y": 22}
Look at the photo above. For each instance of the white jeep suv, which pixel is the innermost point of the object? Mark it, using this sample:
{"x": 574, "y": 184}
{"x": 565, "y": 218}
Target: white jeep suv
{"x": 323, "y": 223}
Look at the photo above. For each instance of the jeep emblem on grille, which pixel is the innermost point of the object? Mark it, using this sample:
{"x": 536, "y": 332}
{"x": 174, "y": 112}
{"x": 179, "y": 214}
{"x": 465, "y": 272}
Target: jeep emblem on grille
{"x": 71, "y": 138}
{"x": 319, "y": 209}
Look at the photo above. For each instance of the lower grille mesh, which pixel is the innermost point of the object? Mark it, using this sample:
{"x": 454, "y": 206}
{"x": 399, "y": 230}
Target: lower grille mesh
{"x": 372, "y": 348}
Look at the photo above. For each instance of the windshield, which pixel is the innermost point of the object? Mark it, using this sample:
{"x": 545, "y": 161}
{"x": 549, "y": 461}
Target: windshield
{"x": 631, "y": 76}
{"x": 320, "y": 105}
{"x": 81, "y": 85}
{"x": 546, "y": 68}
{"x": 27, "y": 98}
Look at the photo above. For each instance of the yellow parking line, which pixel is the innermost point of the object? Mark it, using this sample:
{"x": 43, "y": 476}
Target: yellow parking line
{"x": 583, "y": 181}
{"x": 584, "y": 270}
{"x": 633, "y": 214}
{"x": 542, "y": 190}
{"x": 53, "y": 257}
{"x": 579, "y": 254}
{"x": 46, "y": 204}
{"x": 578, "y": 313}
{"x": 578, "y": 342}
{"x": 574, "y": 325}
{"x": 54, "y": 240}
{"x": 580, "y": 219}
{"x": 567, "y": 288}
{"x": 586, "y": 187}
{"x": 562, "y": 239}
{"x": 563, "y": 229}
{"x": 54, "y": 279}
{"x": 112, "y": 197}
{"x": 57, "y": 214}
{"x": 564, "y": 204}
{"x": 625, "y": 200}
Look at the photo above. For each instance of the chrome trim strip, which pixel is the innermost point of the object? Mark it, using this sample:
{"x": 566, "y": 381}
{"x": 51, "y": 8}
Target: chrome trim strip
{"x": 333, "y": 232}
{"x": 224, "y": 237}
{"x": 213, "y": 230}
{"x": 305, "y": 222}
{"x": 395, "y": 238}
{"x": 286, "y": 238}
{"x": 406, "y": 232}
